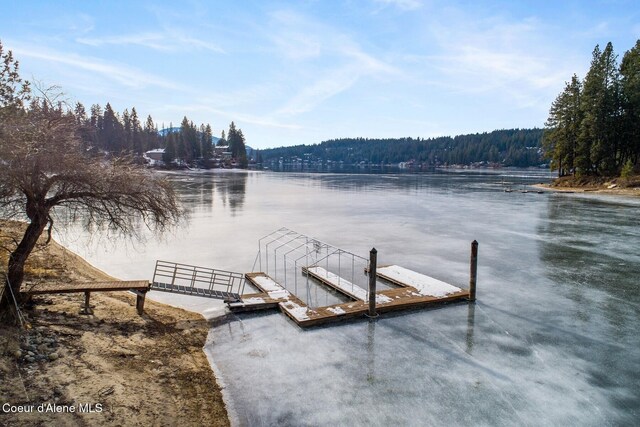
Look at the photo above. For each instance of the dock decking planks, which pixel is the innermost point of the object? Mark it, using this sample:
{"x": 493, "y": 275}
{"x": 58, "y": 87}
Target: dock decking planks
{"x": 61, "y": 288}
{"x": 290, "y": 304}
{"x": 274, "y": 295}
{"x": 139, "y": 287}
{"x": 336, "y": 282}
{"x": 425, "y": 285}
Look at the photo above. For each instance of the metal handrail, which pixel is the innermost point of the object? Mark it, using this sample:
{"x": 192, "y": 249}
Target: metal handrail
{"x": 191, "y": 275}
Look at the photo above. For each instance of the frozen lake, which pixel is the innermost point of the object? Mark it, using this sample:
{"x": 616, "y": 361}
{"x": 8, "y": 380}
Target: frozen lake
{"x": 552, "y": 340}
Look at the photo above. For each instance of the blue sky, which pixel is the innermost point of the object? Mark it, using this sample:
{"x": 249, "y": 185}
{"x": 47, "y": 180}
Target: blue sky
{"x": 293, "y": 72}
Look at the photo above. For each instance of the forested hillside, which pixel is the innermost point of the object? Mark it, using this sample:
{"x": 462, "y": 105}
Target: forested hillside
{"x": 511, "y": 147}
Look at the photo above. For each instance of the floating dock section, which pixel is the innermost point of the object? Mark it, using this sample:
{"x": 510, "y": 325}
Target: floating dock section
{"x": 417, "y": 291}
{"x": 289, "y": 262}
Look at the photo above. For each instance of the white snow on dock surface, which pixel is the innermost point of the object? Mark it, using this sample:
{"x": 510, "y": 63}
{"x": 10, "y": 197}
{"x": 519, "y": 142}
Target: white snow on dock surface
{"x": 268, "y": 285}
{"x": 344, "y": 285}
{"x": 253, "y": 301}
{"x": 299, "y": 312}
{"x": 277, "y": 292}
{"x": 425, "y": 285}
{"x": 336, "y": 310}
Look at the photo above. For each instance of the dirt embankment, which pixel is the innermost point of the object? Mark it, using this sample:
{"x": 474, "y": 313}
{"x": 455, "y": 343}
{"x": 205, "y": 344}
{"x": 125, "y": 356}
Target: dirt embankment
{"x": 604, "y": 185}
{"x": 126, "y": 369}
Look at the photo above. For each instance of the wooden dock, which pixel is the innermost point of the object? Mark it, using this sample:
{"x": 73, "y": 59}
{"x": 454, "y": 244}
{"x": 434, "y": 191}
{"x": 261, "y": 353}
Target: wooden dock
{"x": 62, "y": 288}
{"x": 139, "y": 287}
{"x": 405, "y": 297}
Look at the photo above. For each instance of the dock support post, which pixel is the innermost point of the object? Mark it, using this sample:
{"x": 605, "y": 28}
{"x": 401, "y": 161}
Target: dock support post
{"x": 373, "y": 262}
{"x": 140, "y": 297}
{"x": 86, "y": 309}
{"x": 473, "y": 270}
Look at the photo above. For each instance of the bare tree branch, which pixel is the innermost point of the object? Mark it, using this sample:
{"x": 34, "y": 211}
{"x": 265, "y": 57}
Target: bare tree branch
{"x": 45, "y": 171}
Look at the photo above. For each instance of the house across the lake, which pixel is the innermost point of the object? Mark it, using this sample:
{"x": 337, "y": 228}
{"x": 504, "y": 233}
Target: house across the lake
{"x": 154, "y": 157}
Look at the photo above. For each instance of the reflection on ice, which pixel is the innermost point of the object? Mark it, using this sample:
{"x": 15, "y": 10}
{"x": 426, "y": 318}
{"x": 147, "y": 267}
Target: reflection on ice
{"x": 412, "y": 369}
{"x": 552, "y": 340}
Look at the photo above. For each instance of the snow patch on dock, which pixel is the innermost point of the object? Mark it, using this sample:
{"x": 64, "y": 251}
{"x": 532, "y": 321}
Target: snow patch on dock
{"x": 425, "y": 285}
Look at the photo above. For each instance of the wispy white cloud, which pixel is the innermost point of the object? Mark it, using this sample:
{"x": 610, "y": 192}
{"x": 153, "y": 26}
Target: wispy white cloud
{"x": 73, "y": 24}
{"x": 170, "y": 40}
{"x": 124, "y": 75}
{"x": 597, "y": 31}
{"x": 404, "y": 5}
{"x": 295, "y": 37}
{"x": 505, "y": 57}
{"x": 344, "y": 61}
{"x": 240, "y": 117}
{"x": 150, "y": 40}
{"x": 316, "y": 93}
{"x": 80, "y": 23}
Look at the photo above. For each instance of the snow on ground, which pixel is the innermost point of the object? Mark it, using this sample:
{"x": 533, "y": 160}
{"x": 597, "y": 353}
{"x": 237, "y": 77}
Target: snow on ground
{"x": 425, "y": 285}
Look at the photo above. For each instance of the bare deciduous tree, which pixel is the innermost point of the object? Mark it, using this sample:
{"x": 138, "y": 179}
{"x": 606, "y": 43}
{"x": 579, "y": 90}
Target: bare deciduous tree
{"x": 44, "y": 169}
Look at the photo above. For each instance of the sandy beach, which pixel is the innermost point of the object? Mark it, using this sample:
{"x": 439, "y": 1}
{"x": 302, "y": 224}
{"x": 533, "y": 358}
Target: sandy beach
{"x": 110, "y": 368}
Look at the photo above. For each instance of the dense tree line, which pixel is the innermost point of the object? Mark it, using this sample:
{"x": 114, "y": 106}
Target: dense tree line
{"x": 594, "y": 124}
{"x": 512, "y": 147}
{"x": 106, "y": 130}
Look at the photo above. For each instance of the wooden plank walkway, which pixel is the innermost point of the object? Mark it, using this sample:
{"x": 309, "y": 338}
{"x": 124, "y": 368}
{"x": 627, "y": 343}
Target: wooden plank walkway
{"x": 139, "y": 287}
{"x": 62, "y": 288}
{"x": 274, "y": 295}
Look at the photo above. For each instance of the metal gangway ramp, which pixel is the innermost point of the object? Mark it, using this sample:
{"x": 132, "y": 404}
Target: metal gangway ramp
{"x": 192, "y": 280}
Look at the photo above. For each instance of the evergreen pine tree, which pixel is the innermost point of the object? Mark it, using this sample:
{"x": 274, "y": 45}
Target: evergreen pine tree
{"x": 96, "y": 123}
{"x": 150, "y": 138}
{"x": 630, "y": 94}
{"x": 170, "y": 151}
{"x": 206, "y": 141}
{"x": 127, "y": 131}
{"x": 112, "y": 131}
{"x": 84, "y": 126}
{"x": 137, "y": 142}
{"x": 560, "y": 138}
{"x": 237, "y": 145}
{"x": 599, "y": 130}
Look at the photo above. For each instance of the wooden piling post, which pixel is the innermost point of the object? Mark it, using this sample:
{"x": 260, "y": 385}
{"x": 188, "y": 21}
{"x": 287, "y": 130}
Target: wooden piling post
{"x": 87, "y": 308}
{"x": 140, "y": 297}
{"x": 473, "y": 270}
{"x": 373, "y": 262}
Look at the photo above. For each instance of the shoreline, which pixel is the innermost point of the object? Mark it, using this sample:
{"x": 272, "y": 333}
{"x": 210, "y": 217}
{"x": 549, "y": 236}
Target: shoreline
{"x": 229, "y": 404}
{"x": 633, "y": 192}
{"x": 147, "y": 370}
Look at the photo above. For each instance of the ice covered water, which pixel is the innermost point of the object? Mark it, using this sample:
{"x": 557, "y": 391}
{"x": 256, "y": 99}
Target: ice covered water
{"x": 552, "y": 340}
